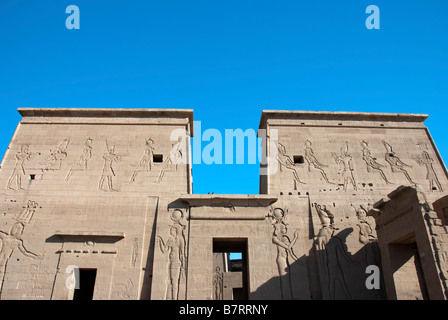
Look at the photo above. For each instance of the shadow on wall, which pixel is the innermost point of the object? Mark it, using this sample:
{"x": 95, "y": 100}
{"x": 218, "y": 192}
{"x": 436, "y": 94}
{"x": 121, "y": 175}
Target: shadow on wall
{"x": 330, "y": 272}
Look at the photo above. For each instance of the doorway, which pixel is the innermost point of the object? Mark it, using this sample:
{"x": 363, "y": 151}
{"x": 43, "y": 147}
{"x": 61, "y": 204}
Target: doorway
{"x": 86, "y": 288}
{"x": 407, "y": 270}
{"x": 235, "y": 283}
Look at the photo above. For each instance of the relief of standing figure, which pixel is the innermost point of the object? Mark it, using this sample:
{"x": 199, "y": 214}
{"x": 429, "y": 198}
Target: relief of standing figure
{"x": 218, "y": 284}
{"x": 332, "y": 253}
{"x": 285, "y": 254}
{"x": 175, "y": 245}
{"x": 108, "y": 172}
{"x": 346, "y": 160}
{"x": 9, "y": 243}
{"x": 427, "y": 161}
{"x": 19, "y": 168}
{"x": 327, "y": 226}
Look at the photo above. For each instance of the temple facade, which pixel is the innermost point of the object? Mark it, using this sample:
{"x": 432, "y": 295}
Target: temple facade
{"x": 99, "y": 204}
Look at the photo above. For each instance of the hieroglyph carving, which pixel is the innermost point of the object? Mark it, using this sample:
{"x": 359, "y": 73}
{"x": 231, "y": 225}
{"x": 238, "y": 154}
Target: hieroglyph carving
{"x": 347, "y": 166}
{"x": 285, "y": 252}
{"x": 423, "y": 145}
{"x": 40, "y": 278}
{"x": 134, "y": 251}
{"x": 285, "y": 162}
{"x": 175, "y": 246}
{"x": 371, "y": 162}
{"x": 217, "y": 284}
{"x": 19, "y": 168}
{"x": 86, "y": 155}
{"x": 427, "y": 161}
{"x": 396, "y": 165}
{"x": 108, "y": 172}
{"x": 313, "y": 162}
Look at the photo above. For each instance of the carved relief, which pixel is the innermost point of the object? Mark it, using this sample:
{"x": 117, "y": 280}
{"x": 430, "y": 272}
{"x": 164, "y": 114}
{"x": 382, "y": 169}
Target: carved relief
{"x": 313, "y": 162}
{"x": 438, "y": 240}
{"x": 127, "y": 292}
{"x": 327, "y": 226}
{"x": 134, "y": 251}
{"x": 39, "y": 281}
{"x": 285, "y": 252}
{"x": 217, "y": 284}
{"x": 332, "y": 255}
{"x": 19, "y": 168}
{"x": 175, "y": 158}
{"x": 177, "y": 152}
{"x": 54, "y": 161}
{"x": 175, "y": 246}
{"x": 28, "y": 212}
{"x": 108, "y": 172}
{"x": 427, "y": 161}
{"x": 371, "y": 162}
{"x": 285, "y": 162}
{"x": 396, "y": 165}
{"x": 86, "y": 155}
{"x": 440, "y": 248}
{"x": 370, "y": 251}
{"x": 145, "y": 163}
{"x": 89, "y": 243}
{"x": 365, "y": 229}
{"x": 423, "y": 145}
{"x": 347, "y": 166}
{"x": 9, "y": 243}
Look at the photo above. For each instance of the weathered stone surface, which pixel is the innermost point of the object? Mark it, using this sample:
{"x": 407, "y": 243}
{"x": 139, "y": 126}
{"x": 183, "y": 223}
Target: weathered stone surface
{"x": 111, "y": 190}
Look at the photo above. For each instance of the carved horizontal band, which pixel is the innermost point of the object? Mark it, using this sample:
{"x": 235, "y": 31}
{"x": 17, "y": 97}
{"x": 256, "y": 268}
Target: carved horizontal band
{"x": 227, "y": 216}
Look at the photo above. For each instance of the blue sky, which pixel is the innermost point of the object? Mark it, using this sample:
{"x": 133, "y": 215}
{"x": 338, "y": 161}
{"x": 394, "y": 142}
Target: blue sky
{"x": 227, "y": 60}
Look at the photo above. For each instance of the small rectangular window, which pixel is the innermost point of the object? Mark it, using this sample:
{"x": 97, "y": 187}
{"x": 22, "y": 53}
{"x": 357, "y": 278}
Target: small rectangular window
{"x": 299, "y": 159}
{"x": 157, "y": 157}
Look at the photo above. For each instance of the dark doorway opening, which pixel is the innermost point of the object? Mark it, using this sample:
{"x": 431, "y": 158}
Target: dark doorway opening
{"x": 238, "y": 294}
{"x": 86, "y": 280}
{"x": 235, "y": 246}
{"x": 408, "y": 275}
